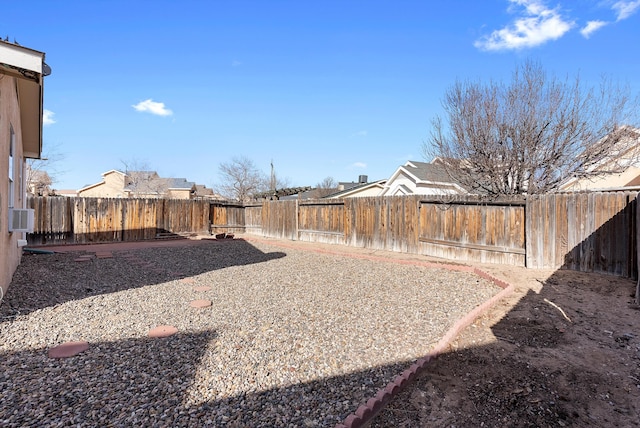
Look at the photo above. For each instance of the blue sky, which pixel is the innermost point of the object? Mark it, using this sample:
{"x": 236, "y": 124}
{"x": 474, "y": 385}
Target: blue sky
{"x": 330, "y": 88}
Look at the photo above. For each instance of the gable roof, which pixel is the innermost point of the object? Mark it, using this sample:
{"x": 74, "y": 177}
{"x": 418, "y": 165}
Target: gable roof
{"x": 432, "y": 172}
{"x": 424, "y": 175}
{"x": 179, "y": 184}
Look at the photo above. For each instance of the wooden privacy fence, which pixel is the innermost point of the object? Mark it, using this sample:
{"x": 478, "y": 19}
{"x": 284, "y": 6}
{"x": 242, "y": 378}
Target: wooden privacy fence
{"x": 591, "y": 232}
{"x": 463, "y": 228}
{"x": 578, "y": 231}
{"x": 61, "y": 220}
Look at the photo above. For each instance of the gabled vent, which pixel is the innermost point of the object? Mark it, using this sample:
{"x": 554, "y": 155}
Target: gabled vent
{"x": 21, "y": 220}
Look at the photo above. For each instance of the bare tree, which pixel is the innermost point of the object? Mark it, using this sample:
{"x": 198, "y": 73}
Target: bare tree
{"x": 326, "y": 187}
{"x": 530, "y": 135}
{"x": 241, "y": 179}
{"x": 141, "y": 180}
{"x": 41, "y": 174}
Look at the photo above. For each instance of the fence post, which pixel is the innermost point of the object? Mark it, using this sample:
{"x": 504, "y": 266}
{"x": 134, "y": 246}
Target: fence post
{"x": 638, "y": 247}
{"x": 296, "y": 233}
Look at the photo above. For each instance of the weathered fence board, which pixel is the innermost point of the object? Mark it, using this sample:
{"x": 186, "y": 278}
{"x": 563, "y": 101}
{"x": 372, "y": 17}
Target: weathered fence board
{"x": 591, "y": 232}
{"x": 473, "y": 229}
{"x": 53, "y": 220}
{"x": 139, "y": 219}
{"x": 228, "y": 218}
{"x": 97, "y": 220}
{"x": 383, "y": 223}
{"x": 183, "y": 215}
{"x": 85, "y": 220}
{"x": 253, "y": 219}
{"x": 280, "y": 219}
{"x": 321, "y": 221}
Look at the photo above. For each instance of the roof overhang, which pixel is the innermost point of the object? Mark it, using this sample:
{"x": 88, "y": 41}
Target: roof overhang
{"x": 28, "y": 66}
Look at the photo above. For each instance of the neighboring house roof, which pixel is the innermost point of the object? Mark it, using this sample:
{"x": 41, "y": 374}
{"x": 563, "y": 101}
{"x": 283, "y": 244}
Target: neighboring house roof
{"x": 28, "y": 66}
{"x": 67, "y": 192}
{"x": 358, "y": 190}
{"x": 179, "y": 184}
{"x": 423, "y": 179}
{"x": 283, "y": 194}
{"x": 307, "y": 194}
{"x": 431, "y": 172}
{"x": 344, "y": 185}
{"x": 203, "y": 191}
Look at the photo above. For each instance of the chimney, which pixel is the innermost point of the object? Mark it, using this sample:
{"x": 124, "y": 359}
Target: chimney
{"x": 362, "y": 179}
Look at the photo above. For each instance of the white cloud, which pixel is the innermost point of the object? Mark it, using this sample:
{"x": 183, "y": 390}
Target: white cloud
{"x": 358, "y": 165}
{"x": 537, "y": 25}
{"x": 236, "y": 63}
{"x": 625, "y": 9}
{"x": 591, "y": 27}
{"x": 361, "y": 133}
{"x": 150, "y": 106}
{"x": 47, "y": 117}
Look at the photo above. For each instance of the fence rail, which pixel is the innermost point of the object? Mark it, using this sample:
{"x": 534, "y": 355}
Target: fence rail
{"x": 592, "y": 232}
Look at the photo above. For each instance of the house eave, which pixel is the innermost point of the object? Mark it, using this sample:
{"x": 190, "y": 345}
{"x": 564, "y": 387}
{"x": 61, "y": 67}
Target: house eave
{"x": 27, "y": 66}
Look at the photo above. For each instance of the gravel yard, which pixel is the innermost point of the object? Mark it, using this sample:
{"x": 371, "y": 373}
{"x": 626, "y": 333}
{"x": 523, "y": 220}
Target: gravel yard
{"x": 292, "y": 338}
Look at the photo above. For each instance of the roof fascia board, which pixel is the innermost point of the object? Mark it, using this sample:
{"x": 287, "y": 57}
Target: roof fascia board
{"x": 21, "y": 57}
{"x": 90, "y": 186}
{"x": 348, "y": 192}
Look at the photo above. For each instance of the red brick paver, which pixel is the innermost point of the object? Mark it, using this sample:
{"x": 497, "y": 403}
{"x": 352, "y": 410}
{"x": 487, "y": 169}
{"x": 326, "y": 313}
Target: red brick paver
{"x": 68, "y": 349}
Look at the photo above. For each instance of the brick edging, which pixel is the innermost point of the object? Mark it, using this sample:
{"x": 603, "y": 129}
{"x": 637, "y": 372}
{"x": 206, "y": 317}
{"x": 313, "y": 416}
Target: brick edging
{"x": 367, "y": 411}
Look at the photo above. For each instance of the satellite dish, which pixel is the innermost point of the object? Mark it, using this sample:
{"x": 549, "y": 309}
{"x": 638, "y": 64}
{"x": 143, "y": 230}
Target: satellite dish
{"x": 46, "y": 70}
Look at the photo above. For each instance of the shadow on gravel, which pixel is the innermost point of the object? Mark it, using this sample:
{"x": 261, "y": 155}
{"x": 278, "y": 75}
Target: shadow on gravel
{"x": 111, "y": 384}
{"x": 566, "y": 356}
{"x": 155, "y": 382}
{"x": 34, "y": 286}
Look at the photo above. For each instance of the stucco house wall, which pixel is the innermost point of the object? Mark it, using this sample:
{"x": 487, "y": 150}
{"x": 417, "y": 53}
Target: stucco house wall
{"x": 625, "y": 160}
{"x": 111, "y": 186}
{"x": 22, "y": 71}
{"x": 628, "y": 178}
{"x": 9, "y": 119}
{"x": 179, "y": 194}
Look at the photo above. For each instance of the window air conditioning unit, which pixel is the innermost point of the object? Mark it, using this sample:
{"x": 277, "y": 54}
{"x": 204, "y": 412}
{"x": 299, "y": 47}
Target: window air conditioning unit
{"x": 21, "y": 220}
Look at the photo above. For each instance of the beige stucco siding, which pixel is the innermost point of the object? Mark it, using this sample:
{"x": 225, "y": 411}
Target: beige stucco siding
{"x": 10, "y": 253}
{"x": 179, "y": 194}
{"x": 112, "y": 186}
{"x": 610, "y": 181}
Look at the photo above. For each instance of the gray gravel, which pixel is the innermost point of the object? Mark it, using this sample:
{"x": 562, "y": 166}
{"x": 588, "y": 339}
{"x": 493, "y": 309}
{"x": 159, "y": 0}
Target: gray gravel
{"x": 293, "y": 338}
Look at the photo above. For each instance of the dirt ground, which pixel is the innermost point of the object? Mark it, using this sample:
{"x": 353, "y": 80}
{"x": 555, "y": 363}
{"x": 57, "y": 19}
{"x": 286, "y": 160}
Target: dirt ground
{"x": 563, "y": 350}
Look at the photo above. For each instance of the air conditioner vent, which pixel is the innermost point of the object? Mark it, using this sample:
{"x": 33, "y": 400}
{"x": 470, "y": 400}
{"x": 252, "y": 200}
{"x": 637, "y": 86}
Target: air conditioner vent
{"x": 21, "y": 220}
